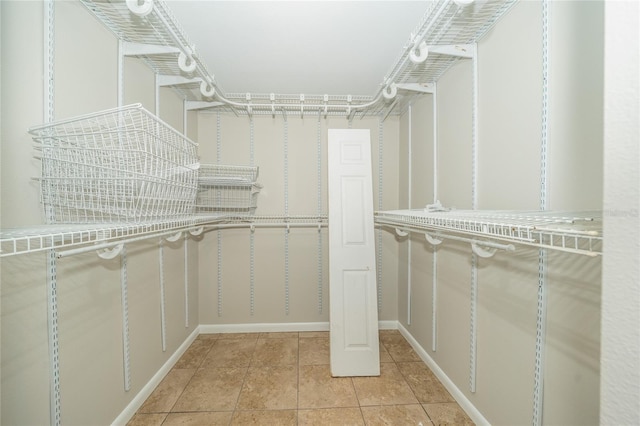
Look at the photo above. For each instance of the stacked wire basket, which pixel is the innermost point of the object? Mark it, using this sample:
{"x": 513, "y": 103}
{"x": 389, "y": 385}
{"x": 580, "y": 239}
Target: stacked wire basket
{"x": 226, "y": 189}
{"x": 118, "y": 165}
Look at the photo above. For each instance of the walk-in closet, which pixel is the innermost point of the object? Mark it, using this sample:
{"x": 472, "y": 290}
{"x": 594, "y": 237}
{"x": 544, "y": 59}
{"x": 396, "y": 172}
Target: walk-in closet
{"x": 184, "y": 185}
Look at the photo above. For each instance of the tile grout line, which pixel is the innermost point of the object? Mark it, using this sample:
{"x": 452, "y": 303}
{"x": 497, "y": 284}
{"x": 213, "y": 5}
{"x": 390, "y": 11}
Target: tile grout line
{"x": 298, "y": 390}
{"x": 253, "y": 352}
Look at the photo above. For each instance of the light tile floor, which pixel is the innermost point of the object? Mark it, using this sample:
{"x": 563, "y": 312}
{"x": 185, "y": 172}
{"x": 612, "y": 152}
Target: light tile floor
{"x": 285, "y": 379}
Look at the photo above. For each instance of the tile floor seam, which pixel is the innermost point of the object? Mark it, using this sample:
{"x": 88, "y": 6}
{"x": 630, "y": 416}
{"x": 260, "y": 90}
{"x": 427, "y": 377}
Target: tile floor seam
{"x": 206, "y": 354}
{"x": 439, "y": 408}
{"x": 244, "y": 380}
{"x": 410, "y": 387}
{"x": 182, "y": 392}
{"x": 298, "y": 383}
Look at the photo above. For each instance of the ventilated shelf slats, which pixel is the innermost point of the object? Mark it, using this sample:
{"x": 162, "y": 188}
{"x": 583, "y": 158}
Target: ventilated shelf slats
{"x": 118, "y": 165}
{"x": 575, "y": 232}
{"x": 227, "y": 189}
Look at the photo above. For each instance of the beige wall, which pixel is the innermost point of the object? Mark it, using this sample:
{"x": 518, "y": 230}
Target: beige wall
{"x": 89, "y": 291}
{"x": 509, "y": 167}
{"x": 508, "y": 178}
{"x": 228, "y": 300}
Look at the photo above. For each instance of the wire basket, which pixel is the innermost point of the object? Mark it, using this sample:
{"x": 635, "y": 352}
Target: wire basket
{"x": 227, "y": 189}
{"x": 122, "y": 164}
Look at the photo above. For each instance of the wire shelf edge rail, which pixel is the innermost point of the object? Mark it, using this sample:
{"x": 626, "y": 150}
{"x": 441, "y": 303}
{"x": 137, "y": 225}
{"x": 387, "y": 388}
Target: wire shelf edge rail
{"x": 574, "y": 232}
{"x": 25, "y": 240}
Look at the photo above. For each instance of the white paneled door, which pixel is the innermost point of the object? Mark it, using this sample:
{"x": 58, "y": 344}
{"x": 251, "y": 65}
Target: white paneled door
{"x": 352, "y": 264}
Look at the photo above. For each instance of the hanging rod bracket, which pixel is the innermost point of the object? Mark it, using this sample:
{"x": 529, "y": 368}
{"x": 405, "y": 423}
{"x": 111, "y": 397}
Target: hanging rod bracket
{"x": 175, "y": 237}
{"x": 110, "y": 252}
{"x": 138, "y": 9}
{"x": 432, "y": 239}
{"x": 485, "y": 252}
{"x": 401, "y": 233}
{"x": 196, "y": 231}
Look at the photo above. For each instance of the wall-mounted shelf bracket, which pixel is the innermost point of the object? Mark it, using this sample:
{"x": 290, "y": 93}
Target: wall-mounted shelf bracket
{"x": 197, "y": 105}
{"x": 325, "y": 100}
{"x": 417, "y": 87}
{"x": 389, "y": 110}
{"x": 249, "y": 107}
{"x": 272, "y": 98}
{"x": 457, "y": 50}
{"x": 143, "y": 49}
{"x": 175, "y": 80}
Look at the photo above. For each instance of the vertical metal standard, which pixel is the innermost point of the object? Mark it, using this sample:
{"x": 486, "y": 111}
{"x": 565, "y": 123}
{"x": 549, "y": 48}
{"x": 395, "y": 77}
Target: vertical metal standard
{"x": 541, "y": 317}
{"x": 380, "y": 207}
{"x": 157, "y": 95}
{"x": 125, "y": 319}
{"x": 52, "y": 323}
{"x": 286, "y": 212}
{"x": 184, "y": 117}
{"x": 434, "y": 281}
{"x": 186, "y": 280}
{"x": 163, "y": 321}
{"x": 52, "y": 283}
{"x": 120, "y": 94}
{"x": 219, "y": 271}
{"x": 473, "y": 332}
{"x": 409, "y": 238}
{"x": 252, "y": 278}
{"x": 319, "y": 209}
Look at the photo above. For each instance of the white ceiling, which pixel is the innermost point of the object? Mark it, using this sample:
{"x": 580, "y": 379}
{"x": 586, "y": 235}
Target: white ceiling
{"x": 292, "y": 47}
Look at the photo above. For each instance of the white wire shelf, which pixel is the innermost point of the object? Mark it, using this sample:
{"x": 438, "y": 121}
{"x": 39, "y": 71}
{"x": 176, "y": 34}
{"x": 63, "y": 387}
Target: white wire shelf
{"x": 575, "y": 232}
{"x": 121, "y": 164}
{"x": 446, "y": 23}
{"x": 47, "y": 237}
{"x": 227, "y": 189}
{"x": 153, "y": 24}
{"x": 451, "y": 24}
{"x": 25, "y": 240}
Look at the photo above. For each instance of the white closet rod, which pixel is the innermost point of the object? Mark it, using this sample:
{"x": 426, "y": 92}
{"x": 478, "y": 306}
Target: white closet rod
{"x": 436, "y": 236}
{"x": 71, "y": 252}
{"x": 111, "y": 244}
{"x": 208, "y": 86}
{"x": 267, "y": 225}
{"x": 299, "y": 106}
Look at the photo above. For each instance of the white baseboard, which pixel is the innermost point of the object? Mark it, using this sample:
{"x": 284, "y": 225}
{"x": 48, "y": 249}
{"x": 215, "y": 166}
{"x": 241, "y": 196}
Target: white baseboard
{"x": 455, "y": 392}
{"x": 147, "y": 389}
{"x": 263, "y": 327}
{"x": 279, "y": 327}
